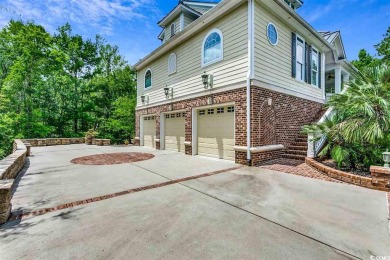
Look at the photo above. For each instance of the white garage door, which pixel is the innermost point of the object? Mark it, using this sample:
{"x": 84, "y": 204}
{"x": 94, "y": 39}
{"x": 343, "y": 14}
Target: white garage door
{"x": 175, "y": 131}
{"x": 150, "y": 131}
{"x": 216, "y": 132}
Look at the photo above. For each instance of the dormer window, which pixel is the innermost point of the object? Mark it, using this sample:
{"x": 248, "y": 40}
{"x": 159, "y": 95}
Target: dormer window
{"x": 173, "y": 29}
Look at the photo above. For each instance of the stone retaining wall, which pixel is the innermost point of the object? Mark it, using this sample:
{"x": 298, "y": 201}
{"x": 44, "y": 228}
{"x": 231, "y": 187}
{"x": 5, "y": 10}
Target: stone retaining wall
{"x": 9, "y": 170}
{"x": 54, "y": 141}
{"x": 379, "y": 180}
{"x": 66, "y": 141}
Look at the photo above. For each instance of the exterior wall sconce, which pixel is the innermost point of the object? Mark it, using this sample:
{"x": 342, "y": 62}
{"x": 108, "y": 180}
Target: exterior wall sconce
{"x": 207, "y": 80}
{"x": 145, "y": 99}
{"x": 168, "y": 92}
{"x": 386, "y": 158}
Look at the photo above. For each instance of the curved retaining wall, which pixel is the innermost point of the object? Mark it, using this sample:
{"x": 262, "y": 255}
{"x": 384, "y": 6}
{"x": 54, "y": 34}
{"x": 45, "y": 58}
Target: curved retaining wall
{"x": 66, "y": 141}
{"x": 379, "y": 180}
{"x": 9, "y": 170}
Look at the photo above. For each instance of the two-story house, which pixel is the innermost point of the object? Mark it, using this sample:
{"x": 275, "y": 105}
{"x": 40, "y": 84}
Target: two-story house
{"x": 236, "y": 80}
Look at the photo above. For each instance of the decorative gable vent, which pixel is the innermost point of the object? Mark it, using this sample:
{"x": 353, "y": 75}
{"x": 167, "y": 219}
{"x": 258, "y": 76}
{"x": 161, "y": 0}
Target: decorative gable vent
{"x": 172, "y": 64}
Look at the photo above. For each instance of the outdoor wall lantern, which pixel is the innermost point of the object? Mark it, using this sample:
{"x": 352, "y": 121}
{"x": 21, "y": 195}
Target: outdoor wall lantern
{"x": 386, "y": 158}
{"x": 168, "y": 92}
{"x": 207, "y": 80}
{"x": 144, "y": 99}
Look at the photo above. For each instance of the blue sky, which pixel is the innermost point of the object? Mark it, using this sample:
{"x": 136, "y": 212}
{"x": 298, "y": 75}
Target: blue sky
{"x": 132, "y": 24}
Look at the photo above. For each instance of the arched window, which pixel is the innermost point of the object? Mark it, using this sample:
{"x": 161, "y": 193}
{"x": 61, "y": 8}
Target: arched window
{"x": 172, "y": 64}
{"x": 148, "y": 78}
{"x": 212, "y": 48}
{"x": 173, "y": 29}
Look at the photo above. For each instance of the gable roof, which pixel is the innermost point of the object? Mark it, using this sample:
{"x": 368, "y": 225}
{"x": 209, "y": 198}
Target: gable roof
{"x": 334, "y": 38}
{"x": 182, "y": 6}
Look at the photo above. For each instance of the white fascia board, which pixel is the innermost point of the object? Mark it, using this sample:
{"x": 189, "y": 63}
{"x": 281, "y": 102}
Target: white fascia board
{"x": 200, "y": 4}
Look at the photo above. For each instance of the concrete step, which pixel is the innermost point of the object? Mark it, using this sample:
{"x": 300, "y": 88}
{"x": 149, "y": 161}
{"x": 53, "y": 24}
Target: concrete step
{"x": 298, "y": 147}
{"x": 298, "y": 152}
{"x": 294, "y": 156}
{"x": 299, "y": 144}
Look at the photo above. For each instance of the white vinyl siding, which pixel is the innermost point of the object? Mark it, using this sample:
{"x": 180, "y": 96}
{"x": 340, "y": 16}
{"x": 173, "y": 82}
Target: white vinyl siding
{"x": 168, "y": 28}
{"x": 188, "y": 20}
{"x": 187, "y": 80}
{"x": 273, "y": 63}
{"x": 201, "y": 9}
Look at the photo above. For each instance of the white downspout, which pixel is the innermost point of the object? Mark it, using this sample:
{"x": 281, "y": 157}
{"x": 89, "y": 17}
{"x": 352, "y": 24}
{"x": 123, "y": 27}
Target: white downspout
{"x": 250, "y": 76}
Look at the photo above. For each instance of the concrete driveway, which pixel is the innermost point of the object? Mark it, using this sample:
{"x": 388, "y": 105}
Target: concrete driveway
{"x": 232, "y": 213}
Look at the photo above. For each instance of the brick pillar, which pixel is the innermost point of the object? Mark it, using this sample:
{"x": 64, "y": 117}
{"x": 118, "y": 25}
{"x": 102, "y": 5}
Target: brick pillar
{"x": 380, "y": 177}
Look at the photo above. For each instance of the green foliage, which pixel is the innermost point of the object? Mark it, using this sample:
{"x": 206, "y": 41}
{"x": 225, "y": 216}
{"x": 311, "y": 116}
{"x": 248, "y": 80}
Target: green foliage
{"x": 383, "y": 48}
{"x": 359, "y": 130}
{"x": 61, "y": 85}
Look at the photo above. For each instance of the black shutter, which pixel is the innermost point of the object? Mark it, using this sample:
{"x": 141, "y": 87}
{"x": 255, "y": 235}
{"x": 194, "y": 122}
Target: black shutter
{"x": 309, "y": 61}
{"x": 306, "y": 62}
{"x": 293, "y": 55}
{"x": 319, "y": 69}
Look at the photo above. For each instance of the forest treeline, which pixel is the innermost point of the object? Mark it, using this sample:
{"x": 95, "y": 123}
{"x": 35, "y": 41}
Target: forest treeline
{"x": 62, "y": 85}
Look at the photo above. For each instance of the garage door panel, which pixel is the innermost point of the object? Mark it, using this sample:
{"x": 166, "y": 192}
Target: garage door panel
{"x": 149, "y": 129}
{"x": 175, "y": 132}
{"x": 216, "y": 133}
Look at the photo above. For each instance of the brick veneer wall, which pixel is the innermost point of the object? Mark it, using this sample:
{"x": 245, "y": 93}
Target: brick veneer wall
{"x": 289, "y": 115}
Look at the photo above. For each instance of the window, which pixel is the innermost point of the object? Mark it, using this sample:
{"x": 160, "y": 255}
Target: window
{"x": 172, "y": 115}
{"x": 230, "y": 109}
{"x": 178, "y": 114}
{"x": 183, "y": 114}
{"x": 172, "y": 64}
{"x": 166, "y": 116}
{"x": 201, "y": 112}
{"x": 210, "y": 111}
{"x": 148, "y": 79}
{"x": 300, "y": 74}
{"x": 212, "y": 48}
{"x": 314, "y": 67}
{"x": 272, "y": 34}
{"x": 220, "y": 110}
{"x": 173, "y": 29}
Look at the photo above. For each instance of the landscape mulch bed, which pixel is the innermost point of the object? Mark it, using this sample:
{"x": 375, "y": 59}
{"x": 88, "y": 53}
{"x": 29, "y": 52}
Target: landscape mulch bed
{"x": 112, "y": 158}
{"x": 331, "y": 163}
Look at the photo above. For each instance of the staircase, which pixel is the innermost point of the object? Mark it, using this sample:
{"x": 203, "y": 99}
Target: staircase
{"x": 298, "y": 149}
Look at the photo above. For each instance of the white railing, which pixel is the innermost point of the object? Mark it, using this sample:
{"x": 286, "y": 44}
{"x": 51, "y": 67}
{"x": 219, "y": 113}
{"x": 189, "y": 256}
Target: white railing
{"x": 317, "y": 142}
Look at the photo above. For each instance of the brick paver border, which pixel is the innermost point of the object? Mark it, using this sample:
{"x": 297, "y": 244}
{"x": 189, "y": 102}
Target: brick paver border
{"x": 23, "y": 215}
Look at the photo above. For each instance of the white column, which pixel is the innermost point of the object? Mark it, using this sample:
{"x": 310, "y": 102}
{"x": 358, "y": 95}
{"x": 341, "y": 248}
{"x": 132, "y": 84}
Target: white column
{"x": 310, "y": 146}
{"x": 337, "y": 80}
{"x": 346, "y": 78}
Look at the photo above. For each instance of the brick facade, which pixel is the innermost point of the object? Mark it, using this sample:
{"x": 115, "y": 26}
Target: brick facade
{"x": 276, "y": 118}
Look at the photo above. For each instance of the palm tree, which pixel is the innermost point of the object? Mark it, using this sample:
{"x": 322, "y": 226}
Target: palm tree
{"x": 359, "y": 128}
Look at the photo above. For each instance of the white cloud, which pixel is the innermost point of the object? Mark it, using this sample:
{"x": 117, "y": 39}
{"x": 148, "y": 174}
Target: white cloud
{"x": 101, "y": 15}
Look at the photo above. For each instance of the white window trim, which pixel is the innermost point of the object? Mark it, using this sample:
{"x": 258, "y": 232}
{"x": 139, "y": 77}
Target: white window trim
{"x": 222, "y": 47}
{"x": 277, "y": 34}
{"x": 169, "y": 58}
{"x": 304, "y": 57}
{"x": 151, "y": 79}
{"x": 318, "y": 62}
